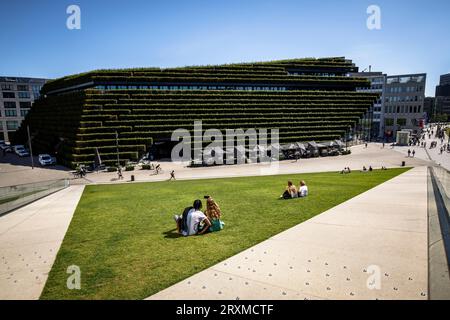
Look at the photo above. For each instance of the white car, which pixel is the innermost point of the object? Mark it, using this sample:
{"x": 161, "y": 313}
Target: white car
{"x": 45, "y": 160}
{"x": 21, "y": 151}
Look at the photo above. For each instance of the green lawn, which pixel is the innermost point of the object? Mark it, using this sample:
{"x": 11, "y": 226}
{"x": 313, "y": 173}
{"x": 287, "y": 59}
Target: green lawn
{"x": 123, "y": 237}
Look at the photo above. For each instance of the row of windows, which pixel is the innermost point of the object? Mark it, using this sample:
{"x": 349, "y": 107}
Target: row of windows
{"x": 12, "y": 95}
{"x": 403, "y": 109}
{"x": 404, "y": 89}
{"x": 405, "y": 79}
{"x": 403, "y": 98}
{"x": 20, "y": 87}
{"x": 319, "y": 74}
{"x": 389, "y": 122}
{"x": 248, "y": 88}
{"x": 13, "y": 113}
{"x": 378, "y": 87}
{"x": 13, "y": 105}
{"x": 12, "y": 125}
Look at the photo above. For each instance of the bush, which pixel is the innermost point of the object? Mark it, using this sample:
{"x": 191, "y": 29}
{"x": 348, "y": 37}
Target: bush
{"x": 129, "y": 168}
{"x": 146, "y": 167}
{"x": 112, "y": 169}
{"x": 346, "y": 152}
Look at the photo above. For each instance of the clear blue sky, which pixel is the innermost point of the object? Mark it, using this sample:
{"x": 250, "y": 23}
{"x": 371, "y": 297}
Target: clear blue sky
{"x": 132, "y": 33}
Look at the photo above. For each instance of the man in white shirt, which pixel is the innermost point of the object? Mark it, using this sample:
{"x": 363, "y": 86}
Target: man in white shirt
{"x": 194, "y": 219}
{"x": 303, "y": 190}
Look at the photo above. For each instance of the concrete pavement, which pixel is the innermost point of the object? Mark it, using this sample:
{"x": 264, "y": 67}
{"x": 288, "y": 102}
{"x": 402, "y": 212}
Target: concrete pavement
{"x": 374, "y": 156}
{"x": 30, "y": 238}
{"x": 376, "y": 240}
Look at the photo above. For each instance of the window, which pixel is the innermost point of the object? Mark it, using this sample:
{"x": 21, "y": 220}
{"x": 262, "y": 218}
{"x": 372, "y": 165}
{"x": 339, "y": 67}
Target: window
{"x": 401, "y": 122}
{"x": 24, "y": 112}
{"x": 389, "y": 122}
{"x": 12, "y": 125}
{"x": 10, "y": 104}
{"x": 10, "y": 113}
{"x": 22, "y": 88}
{"x": 25, "y": 104}
{"x": 9, "y": 95}
{"x": 7, "y": 87}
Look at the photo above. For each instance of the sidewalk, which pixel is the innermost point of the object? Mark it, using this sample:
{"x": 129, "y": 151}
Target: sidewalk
{"x": 30, "y": 238}
{"x": 333, "y": 255}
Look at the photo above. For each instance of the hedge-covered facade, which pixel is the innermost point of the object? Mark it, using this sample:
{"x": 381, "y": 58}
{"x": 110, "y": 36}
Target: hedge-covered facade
{"x": 306, "y": 99}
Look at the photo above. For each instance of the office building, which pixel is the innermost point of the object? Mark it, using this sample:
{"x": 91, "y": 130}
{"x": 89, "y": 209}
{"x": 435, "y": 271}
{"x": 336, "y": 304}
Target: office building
{"x": 16, "y": 98}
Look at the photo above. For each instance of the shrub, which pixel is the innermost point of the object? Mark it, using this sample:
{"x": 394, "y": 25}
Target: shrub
{"x": 146, "y": 167}
{"x": 129, "y": 168}
{"x": 112, "y": 169}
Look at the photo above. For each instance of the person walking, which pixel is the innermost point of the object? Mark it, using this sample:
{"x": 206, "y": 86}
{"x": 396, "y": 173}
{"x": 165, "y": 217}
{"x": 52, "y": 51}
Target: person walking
{"x": 413, "y": 153}
{"x": 119, "y": 173}
{"x": 172, "y": 175}
{"x": 409, "y": 153}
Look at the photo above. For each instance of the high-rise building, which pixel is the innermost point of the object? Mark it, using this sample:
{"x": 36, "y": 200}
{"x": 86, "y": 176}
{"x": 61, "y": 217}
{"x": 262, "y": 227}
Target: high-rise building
{"x": 403, "y": 103}
{"x": 16, "y": 97}
{"x": 377, "y": 85}
{"x": 443, "y": 95}
{"x": 429, "y": 107}
{"x": 445, "y": 79}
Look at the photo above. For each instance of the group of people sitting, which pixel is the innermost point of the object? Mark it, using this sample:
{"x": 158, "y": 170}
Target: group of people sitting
{"x": 346, "y": 170}
{"x": 292, "y": 191}
{"x": 194, "y": 222}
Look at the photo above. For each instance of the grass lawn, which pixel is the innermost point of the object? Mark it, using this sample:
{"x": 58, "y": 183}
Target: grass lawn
{"x": 123, "y": 237}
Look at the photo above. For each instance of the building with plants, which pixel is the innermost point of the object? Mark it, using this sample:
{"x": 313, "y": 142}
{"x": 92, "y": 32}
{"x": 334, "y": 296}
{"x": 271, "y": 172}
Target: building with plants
{"x": 306, "y": 99}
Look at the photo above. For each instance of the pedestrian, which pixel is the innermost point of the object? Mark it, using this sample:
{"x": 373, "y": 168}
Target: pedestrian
{"x": 366, "y": 145}
{"x": 409, "y": 153}
{"x": 383, "y": 144}
{"x": 119, "y": 173}
{"x": 413, "y": 153}
{"x": 172, "y": 175}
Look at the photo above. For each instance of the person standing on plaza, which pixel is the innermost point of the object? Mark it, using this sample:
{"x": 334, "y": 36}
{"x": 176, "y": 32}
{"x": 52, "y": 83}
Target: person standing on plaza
{"x": 172, "y": 175}
{"x": 409, "y": 153}
{"x": 413, "y": 153}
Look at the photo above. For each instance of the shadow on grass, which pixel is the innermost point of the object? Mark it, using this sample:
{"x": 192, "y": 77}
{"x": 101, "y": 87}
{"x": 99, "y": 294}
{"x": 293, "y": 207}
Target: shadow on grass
{"x": 172, "y": 234}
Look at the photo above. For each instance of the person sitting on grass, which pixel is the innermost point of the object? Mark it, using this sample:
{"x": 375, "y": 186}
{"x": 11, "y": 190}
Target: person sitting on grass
{"x": 193, "y": 221}
{"x": 290, "y": 192}
{"x": 214, "y": 214}
{"x": 303, "y": 190}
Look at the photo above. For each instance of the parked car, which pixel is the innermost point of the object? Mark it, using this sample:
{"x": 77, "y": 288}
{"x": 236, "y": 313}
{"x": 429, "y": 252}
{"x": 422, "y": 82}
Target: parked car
{"x": 21, "y": 151}
{"x": 45, "y": 160}
{"x": 6, "y": 147}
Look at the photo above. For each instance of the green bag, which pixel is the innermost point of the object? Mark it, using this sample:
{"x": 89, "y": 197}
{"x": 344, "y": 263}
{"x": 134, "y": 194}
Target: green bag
{"x": 216, "y": 225}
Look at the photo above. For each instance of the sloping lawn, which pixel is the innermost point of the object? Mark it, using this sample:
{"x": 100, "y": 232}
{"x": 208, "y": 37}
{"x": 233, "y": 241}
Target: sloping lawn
{"x": 123, "y": 237}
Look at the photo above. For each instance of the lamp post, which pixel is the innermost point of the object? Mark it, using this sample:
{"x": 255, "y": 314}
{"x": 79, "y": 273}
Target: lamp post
{"x": 29, "y": 144}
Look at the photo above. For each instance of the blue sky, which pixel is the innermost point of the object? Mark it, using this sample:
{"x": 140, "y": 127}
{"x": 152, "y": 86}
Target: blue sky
{"x": 116, "y": 34}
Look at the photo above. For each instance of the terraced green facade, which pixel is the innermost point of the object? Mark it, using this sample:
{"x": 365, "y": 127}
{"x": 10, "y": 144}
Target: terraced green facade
{"x": 306, "y": 99}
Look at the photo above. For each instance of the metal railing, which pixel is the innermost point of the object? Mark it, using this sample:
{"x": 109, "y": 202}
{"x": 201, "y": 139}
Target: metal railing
{"x": 442, "y": 175}
{"x": 13, "y": 197}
